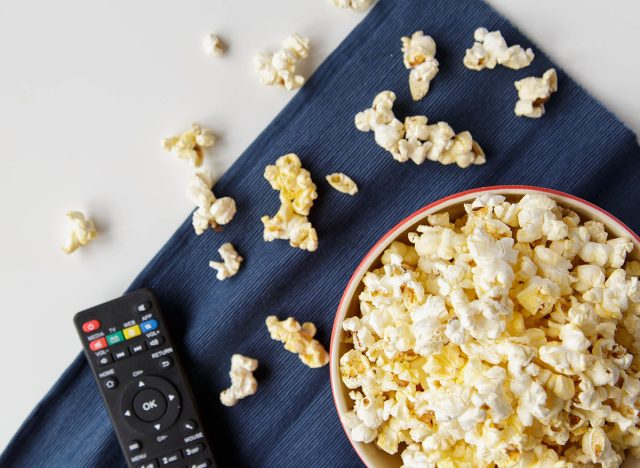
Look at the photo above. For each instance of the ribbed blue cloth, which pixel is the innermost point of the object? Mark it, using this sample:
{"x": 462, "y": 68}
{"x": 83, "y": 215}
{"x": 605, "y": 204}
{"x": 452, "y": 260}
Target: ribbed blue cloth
{"x": 578, "y": 147}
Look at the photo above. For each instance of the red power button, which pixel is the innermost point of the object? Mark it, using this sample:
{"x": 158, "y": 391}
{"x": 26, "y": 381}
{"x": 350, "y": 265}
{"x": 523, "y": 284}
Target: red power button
{"x": 90, "y": 326}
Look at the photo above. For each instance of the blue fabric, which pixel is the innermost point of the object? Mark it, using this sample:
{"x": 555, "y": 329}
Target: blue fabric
{"x": 578, "y": 147}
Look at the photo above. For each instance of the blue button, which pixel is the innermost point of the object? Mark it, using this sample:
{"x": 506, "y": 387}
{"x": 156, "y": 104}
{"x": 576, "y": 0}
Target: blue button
{"x": 148, "y": 326}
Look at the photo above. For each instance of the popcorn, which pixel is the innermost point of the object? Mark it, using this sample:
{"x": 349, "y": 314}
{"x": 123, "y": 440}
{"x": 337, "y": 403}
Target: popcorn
{"x": 497, "y": 337}
{"x": 356, "y": 5}
{"x": 211, "y": 211}
{"x": 419, "y": 57}
{"x": 490, "y": 49}
{"x": 191, "y": 144}
{"x": 212, "y": 45}
{"x": 534, "y": 92}
{"x": 297, "y": 193}
{"x": 298, "y": 339}
{"x": 243, "y": 383}
{"x": 342, "y": 183}
{"x": 279, "y": 69}
{"x": 230, "y": 262}
{"x": 416, "y": 140}
{"x": 83, "y": 232}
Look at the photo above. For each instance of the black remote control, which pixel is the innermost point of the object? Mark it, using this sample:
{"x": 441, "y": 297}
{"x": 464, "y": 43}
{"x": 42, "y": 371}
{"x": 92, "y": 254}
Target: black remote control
{"x": 143, "y": 383}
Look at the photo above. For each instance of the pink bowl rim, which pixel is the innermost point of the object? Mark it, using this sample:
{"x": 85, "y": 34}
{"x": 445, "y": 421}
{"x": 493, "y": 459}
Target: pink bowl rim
{"x": 430, "y": 206}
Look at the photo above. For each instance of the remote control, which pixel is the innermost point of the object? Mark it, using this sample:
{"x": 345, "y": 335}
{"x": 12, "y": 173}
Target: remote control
{"x": 143, "y": 383}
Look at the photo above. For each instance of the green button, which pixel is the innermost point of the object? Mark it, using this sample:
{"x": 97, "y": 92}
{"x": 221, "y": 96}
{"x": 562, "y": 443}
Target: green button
{"x": 115, "y": 338}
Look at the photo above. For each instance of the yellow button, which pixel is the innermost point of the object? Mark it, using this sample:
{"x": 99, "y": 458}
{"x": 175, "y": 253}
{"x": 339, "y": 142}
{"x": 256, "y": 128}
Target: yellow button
{"x": 132, "y": 332}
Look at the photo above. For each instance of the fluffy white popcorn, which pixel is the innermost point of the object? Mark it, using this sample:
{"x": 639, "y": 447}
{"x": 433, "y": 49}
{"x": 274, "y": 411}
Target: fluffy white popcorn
{"x": 416, "y": 140}
{"x": 212, "y": 45}
{"x": 243, "y": 383}
{"x": 230, "y": 262}
{"x": 342, "y": 183}
{"x": 490, "y": 49}
{"x": 419, "y": 53}
{"x": 534, "y": 92}
{"x": 497, "y": 337}
{"x": 83, "y": 231}
{"x": 211, "y": 211}
{"x": 191, "y": 144}
{"x": 298, "y": 339}
{"x": 279, "y": 68}
{"x": 297, "y": 193}
{"x": 356, "y": 5}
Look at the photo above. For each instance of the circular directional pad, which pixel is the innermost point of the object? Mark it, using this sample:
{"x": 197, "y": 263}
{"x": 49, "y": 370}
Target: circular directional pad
{"x": 150, "y": 405}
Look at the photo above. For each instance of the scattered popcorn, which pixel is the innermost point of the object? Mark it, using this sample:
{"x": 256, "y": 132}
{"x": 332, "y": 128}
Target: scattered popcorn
{"x": 534, "y": 92}
{"x": 83, "y": 231}
{"x": 230, "y": 262}
{"x": 298, "y": 339}
{"x": 243, "y": 383}
{"x": 211, "y": 211}
{"x": 505, "y": 337}
{"x": 279, "y": 69}
{"x": 342, "y": 183}
{"x": 490, "y": 49}
{"x": 416, "y": 140}
{"x": 212, "y": 45}
{"x": 297, "y": 193}
{"x": 356, "y": 5}
{"x": 420, "y": 57}
{"x": 191, "y": 144}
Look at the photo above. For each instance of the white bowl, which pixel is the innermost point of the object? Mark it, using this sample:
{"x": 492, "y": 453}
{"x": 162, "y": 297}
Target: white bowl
{"x": 370, "y": 454}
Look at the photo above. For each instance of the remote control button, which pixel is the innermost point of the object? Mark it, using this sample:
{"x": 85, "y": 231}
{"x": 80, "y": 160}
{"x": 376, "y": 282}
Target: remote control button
{"x": 132, "y": 332}
{"x": 190, "y": 425}
{"x": 134, "y": 446}
{"x": 165, "y": 363}
{"x": 149, "y": 325}
{"x": 171, "y": 458}
{"x": 155, "y": 342}
{"x": 200, "y": 464}
{"x": 138, "y": 348}
{"x": 90, "y": 326}
{"x": 149, "y": 464}
{"x": 110, "y": 383}
{"x": 193, "y": 450}
{"x": 98, "y": 344}
{"x": 115, "y": 338}
{"x": 103, "y": 360}
{"x": 144, "y": 307}
{"x": 121, "y": 354}
{"x": 149, "y": 405}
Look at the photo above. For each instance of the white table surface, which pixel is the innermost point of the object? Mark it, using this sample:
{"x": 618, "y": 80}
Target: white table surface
{"x": 88, "y": 89}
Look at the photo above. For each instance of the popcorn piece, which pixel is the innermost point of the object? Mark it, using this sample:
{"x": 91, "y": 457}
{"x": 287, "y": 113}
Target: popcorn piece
{"x": 83, "y": 231}
{"x": 279, "y": 69}
{"x": 297, "y": 193}
{"x": 490, "y": 49}
{"x": 243, "y": 383}
{"x": 356, "y": 5}
{"x": 298, "y": 339}
{"x": 342, "y": 183}
{"x": 415, "y": 139}
{"x": 211, "y": 211}
{"x": 191, "y": 144}
{"x": 212, "y": 45}
{"x": 419, "y": 57}
{"x": 534, "y": 92}
{"x": 497, "y": 338}
{"x": 230, "y": 262}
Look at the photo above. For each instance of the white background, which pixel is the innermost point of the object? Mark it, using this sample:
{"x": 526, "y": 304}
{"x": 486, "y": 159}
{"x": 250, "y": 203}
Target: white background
{"x": 88, "y": 89}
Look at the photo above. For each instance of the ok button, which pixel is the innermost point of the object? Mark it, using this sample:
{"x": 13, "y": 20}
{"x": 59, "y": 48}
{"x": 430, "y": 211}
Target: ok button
{"x": 149, "y": 405}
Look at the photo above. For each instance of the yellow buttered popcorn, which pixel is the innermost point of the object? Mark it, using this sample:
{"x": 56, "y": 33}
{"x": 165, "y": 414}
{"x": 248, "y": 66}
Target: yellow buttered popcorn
{"x": 191, "y": 144}
{"x": 298, "y": 339}
{"x": 506, "y": 337}
{"x": 83, "y": 232}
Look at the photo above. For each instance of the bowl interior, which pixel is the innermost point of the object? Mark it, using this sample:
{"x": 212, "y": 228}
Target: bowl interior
{"x": 370, "y": 454}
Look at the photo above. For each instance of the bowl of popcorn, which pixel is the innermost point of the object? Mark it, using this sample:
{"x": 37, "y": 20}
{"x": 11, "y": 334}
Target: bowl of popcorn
{"x": 495, "y": 327}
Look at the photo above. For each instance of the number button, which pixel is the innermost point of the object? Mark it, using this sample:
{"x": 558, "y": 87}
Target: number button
{"x": 171, "y": 458}
{"x": 98, "y": 344}
{"x": 200, "y": 464}
{"x": 90, "y": 326}
{"x": 193, "y": 450}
